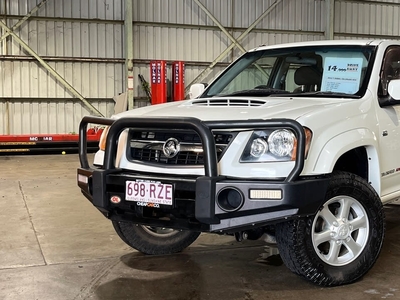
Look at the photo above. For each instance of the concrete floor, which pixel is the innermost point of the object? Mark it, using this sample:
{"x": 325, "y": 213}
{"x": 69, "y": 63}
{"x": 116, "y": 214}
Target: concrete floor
{"x": 55, "y": 245}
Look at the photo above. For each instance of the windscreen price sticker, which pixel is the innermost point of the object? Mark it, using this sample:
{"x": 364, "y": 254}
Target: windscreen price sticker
{"x": 342, "y": 75}
{"x": 149, "y": 192}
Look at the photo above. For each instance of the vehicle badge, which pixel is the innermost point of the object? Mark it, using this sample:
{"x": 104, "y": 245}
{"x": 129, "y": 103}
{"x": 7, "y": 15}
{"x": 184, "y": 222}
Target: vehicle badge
{"x": 115, "y": 199}
{"x": 171, "y": 148}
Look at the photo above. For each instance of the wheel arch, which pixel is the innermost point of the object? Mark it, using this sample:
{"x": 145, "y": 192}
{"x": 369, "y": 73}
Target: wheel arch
{"x": 321, "y": 247}
{"x": 354, "y": 151}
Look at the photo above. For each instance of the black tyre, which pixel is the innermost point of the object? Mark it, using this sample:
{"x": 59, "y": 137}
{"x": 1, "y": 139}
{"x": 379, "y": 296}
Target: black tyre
{"x": 342, "y": 241}
{"x": 154, "y": 240}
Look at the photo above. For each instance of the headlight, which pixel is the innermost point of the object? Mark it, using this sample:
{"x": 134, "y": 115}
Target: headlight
{"x": 273, "y": 145}
{"x": 258, "y": 147}
{"x": 281, "y": 142}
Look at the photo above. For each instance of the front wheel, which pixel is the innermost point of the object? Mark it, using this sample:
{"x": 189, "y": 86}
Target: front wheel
{"x": 342, "y": 241}
{"x": 154, "y": 240}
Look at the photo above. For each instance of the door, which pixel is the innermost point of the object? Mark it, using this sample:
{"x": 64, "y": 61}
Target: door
{"x": 389, "y": 124}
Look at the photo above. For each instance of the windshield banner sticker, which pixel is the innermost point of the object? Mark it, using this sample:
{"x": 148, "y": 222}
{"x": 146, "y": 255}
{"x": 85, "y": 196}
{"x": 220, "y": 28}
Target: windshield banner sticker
{"x": 342, "y": 75}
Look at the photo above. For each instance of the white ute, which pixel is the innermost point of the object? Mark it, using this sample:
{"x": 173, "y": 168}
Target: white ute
{"x": 298, "y": 141}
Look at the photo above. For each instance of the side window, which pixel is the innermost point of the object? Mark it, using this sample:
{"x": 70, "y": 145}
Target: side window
{"x": 390, "y": 69}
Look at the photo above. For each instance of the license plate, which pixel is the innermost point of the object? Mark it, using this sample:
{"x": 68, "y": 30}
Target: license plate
{"x": 149, "y": 192}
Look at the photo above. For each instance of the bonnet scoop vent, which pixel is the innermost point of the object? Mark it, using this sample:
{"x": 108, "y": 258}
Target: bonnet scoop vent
{"x": 237, "y": 102}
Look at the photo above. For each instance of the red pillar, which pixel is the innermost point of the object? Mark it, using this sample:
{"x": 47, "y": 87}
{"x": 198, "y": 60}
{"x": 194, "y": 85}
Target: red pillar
{"x": 178, "y": 73}
{"x": 158, "y": 74}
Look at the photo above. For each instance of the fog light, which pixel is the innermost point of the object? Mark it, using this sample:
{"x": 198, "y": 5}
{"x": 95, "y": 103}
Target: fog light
{"x": 230, "y": 199}
{"x": 266, "y": 194}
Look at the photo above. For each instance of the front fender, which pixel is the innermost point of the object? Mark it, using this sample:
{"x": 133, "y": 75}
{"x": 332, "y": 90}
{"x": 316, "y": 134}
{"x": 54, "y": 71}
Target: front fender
{"x": 340, "y": 144}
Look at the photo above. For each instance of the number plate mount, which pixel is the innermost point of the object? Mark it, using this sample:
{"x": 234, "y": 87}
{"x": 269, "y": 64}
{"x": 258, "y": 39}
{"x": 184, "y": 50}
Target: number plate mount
{"x": 149, "y": 192}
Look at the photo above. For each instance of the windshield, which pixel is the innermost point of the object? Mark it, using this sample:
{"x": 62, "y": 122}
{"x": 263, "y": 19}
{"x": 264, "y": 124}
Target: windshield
{"x": 330, "y": 70}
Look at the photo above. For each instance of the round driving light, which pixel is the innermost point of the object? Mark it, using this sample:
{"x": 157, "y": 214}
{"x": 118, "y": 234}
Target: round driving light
{"x": 281, "y": 142}
{"x": 258, "y": 147}
{"x": 230, "y": 199}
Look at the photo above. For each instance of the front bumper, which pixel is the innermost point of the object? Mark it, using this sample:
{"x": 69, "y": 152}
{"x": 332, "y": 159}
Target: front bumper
{"x": 197, "y": 200}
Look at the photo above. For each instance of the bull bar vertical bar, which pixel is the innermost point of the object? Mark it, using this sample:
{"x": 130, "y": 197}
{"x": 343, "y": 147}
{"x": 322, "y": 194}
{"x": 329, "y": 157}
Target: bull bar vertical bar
{"x": 83, "y": 136}
{"x": 206, "y": 136}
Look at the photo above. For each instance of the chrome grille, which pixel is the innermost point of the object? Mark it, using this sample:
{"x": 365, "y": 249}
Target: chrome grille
{"x": 147, "y": 146}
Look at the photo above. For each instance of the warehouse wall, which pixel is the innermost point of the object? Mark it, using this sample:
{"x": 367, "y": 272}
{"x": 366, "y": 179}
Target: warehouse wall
{"x": 180, "y": 30}
{"x": 367, "y": 19}
{"x": 84, "y": 42}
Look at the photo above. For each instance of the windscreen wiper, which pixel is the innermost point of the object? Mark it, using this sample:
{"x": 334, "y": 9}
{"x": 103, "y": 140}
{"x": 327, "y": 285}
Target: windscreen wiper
{"x": 326, "y": 93}
{"x": 257, "y": 92}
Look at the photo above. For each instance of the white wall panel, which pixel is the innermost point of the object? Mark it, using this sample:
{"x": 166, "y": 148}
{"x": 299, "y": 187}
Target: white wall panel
{"x": 369, "y": 19}
{"x": 200, "y": 45}
{"x": 178, "y": 43}
{"x": 182, "y": 11}
{"x": 46, "y": 115}
{"x": 29, "y": 79}
{"x": 289, "y": 14}
{"x": 306, "y": 15}
{"x": 70, "y": 39}
{"x": 81, "y": 9}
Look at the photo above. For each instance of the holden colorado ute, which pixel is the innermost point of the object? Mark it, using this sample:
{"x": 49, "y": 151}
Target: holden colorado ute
{"x": 297, "y": 141}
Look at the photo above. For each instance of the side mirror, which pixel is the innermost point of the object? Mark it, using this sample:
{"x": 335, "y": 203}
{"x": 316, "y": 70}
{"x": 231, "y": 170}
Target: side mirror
{"x": 196, "y": 90}
{"x": 394, "y": 89}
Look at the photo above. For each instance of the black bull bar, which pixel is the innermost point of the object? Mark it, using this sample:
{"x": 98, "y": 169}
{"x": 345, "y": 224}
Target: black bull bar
{"x": 205, "y": 185}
